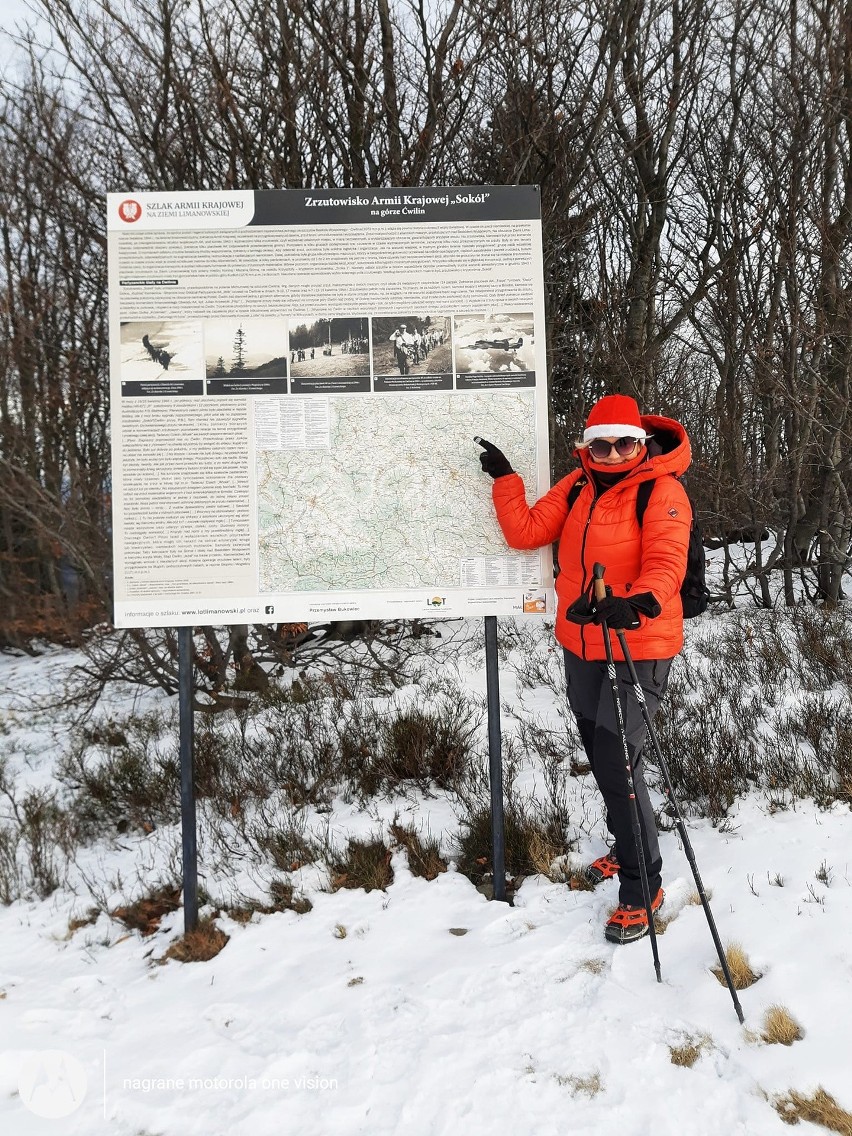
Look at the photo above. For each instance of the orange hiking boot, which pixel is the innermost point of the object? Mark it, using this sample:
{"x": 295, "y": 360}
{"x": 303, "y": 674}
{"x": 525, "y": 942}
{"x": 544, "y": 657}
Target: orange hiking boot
{"x": 628, "y": 923}
{"x": 604, "y": 868}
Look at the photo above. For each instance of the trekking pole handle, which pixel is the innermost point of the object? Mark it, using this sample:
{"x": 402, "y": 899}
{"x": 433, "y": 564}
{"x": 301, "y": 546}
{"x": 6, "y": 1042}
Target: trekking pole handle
{"x": 599, "y": 585}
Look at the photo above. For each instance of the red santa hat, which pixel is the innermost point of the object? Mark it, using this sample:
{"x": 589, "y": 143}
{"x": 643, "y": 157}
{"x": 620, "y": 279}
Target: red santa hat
{"x": 614, "y": 416}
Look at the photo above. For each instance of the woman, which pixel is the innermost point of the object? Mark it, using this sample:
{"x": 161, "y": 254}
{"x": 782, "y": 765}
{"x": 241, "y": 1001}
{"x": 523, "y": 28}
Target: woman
{"x": 593, "y": 514}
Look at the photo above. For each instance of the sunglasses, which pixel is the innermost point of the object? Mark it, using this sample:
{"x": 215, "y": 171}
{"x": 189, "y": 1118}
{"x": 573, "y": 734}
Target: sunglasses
{"x": 600, "y": 448}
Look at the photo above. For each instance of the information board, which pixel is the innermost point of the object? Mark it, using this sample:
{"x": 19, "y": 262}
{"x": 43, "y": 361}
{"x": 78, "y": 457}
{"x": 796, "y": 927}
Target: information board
{"x": 297, "y": 378}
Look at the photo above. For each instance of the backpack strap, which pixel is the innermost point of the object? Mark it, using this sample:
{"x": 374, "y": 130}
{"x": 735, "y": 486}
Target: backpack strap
{"x": 575, "y": 490}
{"x": 643, "y": 496}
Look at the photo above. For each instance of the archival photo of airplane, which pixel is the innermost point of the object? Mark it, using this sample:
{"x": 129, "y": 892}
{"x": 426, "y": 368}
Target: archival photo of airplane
{"x": 497, "y": 344}
{"x": 488, "y": 342}
{"x": 161, "y": 349}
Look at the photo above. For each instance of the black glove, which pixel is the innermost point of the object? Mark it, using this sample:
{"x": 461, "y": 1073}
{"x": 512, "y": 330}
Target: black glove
{"x": 586, "y": 610}
{"x": 493, "y": 461}
{"x": 619, "y": 613}
{"x": 646, "y": 603}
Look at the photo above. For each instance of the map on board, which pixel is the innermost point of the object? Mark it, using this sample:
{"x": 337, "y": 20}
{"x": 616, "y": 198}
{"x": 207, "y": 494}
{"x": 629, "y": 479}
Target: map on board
{"x": 388, "y": 492}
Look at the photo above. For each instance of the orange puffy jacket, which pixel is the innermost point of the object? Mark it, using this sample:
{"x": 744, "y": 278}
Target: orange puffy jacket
{"x": 650, "y": 557}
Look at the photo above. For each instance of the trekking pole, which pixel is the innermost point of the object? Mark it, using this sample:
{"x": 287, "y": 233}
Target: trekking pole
{"x": 681, "y": 826}
{"x": 600, "y": 593}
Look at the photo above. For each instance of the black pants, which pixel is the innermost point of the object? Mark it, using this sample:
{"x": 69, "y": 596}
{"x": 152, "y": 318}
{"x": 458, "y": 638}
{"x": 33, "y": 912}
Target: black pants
{"x": 590, "y": 698}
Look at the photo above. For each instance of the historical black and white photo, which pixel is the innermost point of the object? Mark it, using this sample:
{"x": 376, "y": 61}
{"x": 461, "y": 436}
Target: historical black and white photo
{"x": 161, "y": 349}
{"x": 412, "y": 345}
{"x": 336, "y": 346}
{"x": 494, "y": 342}
{"x": 245, "y": 348}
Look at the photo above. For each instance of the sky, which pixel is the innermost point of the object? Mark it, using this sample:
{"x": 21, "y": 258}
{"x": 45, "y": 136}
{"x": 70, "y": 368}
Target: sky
{"x": 13, "y": 14}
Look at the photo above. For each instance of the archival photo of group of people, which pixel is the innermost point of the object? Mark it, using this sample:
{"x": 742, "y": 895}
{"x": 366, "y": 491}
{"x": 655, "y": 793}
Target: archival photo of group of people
{"x": 321, "y": 346}
{"x": 412, "y": 345}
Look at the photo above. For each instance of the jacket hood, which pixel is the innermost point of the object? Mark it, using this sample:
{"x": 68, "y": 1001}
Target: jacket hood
{"x": 668, "y": 450}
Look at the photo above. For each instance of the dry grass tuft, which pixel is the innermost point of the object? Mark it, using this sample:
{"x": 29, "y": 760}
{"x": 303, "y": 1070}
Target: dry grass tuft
{"x": 145, "y": 914}
{"x": 289, "y": 848}
{"x": 780, "y": 1027}
{"x": 661, "y": 922}
{"x": 820, "y": 1108}
{"x": 365, "y": 864}
{"x": 83, "y": 920}
{"x": 694, "y": 899}
{"x": 593, "y": 966}
{"x": 543, "y": 850}
{"x": 690, "y": 1049}
{"x": 283, "y": 897}
{"x": 200, "y": 945}
{"x": 742, "y": 974}
{"x": 424, "y": 853}
{"x": 244, "y": 914}
{"x": 533, "y": 840}
{"x": 589, "y": 1085}
{"x": 577, "y": 880}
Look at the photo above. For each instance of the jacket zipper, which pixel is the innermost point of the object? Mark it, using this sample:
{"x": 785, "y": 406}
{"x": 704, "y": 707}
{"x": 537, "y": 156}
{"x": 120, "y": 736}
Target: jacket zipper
{"x": 583, "y": 563}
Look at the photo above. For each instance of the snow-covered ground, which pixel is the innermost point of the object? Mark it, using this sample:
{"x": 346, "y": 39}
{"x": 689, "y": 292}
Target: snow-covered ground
{"x": 425, "y": 1009}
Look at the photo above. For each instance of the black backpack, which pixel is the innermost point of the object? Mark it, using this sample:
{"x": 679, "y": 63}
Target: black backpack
{"x": 694, "y": 593}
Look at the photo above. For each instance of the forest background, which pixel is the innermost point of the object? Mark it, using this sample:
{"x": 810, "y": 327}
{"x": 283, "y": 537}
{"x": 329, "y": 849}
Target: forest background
{"x": 695, "y": 162}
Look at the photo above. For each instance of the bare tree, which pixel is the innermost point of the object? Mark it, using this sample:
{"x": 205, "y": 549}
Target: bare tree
{"x": 54, "y": 455}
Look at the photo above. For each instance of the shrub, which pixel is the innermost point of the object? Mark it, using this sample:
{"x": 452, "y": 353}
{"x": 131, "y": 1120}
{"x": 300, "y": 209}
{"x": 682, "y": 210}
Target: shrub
{"x": 364, "y": 864}
{"x": 285, "y": 898}
{"x": 428, "y": 743}
{"x": 529, "y": 837}
{"x": 424, "y": 853}
{"x": 812, "y": 750}
{"x": 11, "y": 877}
{"x": 37, "y": 842}
{"x": 711, "y": 759}
{"x": 290, "y": 848}
{"x": 123, "y": 777}
{"x": 38, "y": 837}
{"x": 282, "y": 897}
